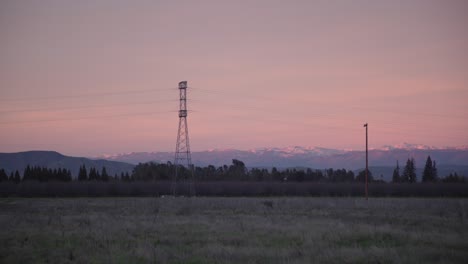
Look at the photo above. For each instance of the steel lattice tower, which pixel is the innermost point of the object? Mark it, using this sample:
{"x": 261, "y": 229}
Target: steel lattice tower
{"x": 182, "y": 152}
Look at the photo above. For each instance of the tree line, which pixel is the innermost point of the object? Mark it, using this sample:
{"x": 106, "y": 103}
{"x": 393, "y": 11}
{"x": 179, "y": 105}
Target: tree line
{"x": 41, "y": 174}
{"x": 430, "y": 173}
{"x": 237, "y": 171}
{"x": 44, "y": 174}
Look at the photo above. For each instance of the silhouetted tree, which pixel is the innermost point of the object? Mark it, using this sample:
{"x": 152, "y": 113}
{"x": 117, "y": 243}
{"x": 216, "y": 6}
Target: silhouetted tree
{"x": 127, "y": 177}
{"x": 409, "y": 172}
{"x": 329, "y": 173}
{"x": 237, "y": 171}
{"x": 157, "y": 172}
{"x": 361, "y": 177}
{"x": 275, "y": 174}
{"x": 320, "y": 176}
{"x": 27, "y": 173}
{"x": 17, "y": 177}
{"x": 104, "y": 175}
{"x": 349, "y": 176}
{"x": 93, "y": 176}
{"x": 83, "y": 174}
{"x": 428, "y": 173}
{"x": 454, "y": 178}
{"x": 256, "y": 174}
{"x": 3, "y": 175}
{"x": 210, "y": 173}
{"x": 68, "y": 176}
{"x": 299, "y": 175}
{"x": 396, "y": 174}
{"x": 435, "y": 174}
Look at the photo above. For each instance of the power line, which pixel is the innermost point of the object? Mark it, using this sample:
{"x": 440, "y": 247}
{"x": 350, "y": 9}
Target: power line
{"x": 384, "y": 127}
{"x": 84, "y": 106}
{"x": 83, "y": 118}
{"x": 242, "y": 105}
{"x": 123, "y": 92}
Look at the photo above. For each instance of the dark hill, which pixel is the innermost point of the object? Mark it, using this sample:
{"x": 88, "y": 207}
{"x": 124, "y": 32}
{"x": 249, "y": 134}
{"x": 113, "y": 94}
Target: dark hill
{"x": 51, "y": 159}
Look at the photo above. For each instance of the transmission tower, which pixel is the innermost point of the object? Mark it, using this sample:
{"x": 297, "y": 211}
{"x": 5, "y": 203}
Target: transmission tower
{"x": 182, "y": 152}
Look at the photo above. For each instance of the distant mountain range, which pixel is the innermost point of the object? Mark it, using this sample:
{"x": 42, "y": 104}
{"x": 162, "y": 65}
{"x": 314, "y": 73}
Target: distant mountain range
{"x": 314, "y": 157}
{"x": 51, "y": 159}
{"x": 381, "y": 161}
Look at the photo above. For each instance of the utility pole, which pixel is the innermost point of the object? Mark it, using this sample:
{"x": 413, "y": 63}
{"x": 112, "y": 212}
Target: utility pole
{"x": 182, "y": 153}
{"x": 367, "y": 163}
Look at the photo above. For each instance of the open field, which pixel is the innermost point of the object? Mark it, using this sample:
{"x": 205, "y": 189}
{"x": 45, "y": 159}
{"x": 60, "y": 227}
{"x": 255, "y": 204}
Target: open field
{"x": 233, "y": 230}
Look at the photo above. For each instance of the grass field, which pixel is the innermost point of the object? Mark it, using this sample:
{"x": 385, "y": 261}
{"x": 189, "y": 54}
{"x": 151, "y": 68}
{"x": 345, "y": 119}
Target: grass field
{"x": 233, "y": 230}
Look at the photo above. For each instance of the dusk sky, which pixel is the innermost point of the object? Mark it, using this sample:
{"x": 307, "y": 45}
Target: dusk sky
{"x": 87, "y": 78}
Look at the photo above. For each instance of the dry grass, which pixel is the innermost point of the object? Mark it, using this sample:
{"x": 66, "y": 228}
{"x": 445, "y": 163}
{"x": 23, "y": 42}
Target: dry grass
{"x": 233, "y": 230}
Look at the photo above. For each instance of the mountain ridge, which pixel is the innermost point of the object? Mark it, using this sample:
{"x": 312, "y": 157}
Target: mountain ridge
{"x": 316, "y": 156}
{"x": 52, "y": 159}
{"x": 382, "y": 161}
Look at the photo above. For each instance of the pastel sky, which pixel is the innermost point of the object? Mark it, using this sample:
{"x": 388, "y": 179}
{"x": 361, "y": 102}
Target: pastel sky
{"x": 93, "y": 77}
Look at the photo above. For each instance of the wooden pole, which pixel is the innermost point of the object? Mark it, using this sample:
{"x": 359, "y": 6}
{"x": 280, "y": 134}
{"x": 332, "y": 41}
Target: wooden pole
{"x": 367, "y": 164}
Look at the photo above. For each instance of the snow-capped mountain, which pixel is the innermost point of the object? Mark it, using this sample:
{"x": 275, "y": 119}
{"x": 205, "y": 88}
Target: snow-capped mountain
{"x": 292, "y": 151}
{"x": 408, "y": 146}
{"x": 382, "y": 161}
{"x": 314, "y": 157}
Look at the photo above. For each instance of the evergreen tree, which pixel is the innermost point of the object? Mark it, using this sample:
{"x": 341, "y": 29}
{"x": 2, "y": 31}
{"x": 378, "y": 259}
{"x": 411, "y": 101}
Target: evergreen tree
{"x": 93, "y": 174}
{"x": 17, "y": 177}
{"x": 409, "y": 172}
{"x": 396, "y": 173}
{"x": 27, "y": 173}
{"x": 3, "y": 175}
{"x": 67, "y": 177}
{"x": 54, "y": 175}
{"x": 329, "y": 173}
{"x": 104, "y": 175}
{"x": 428, "y": 173}
{"x": 319, "y": 174}
{"x": 98, "y": 175}
{"x": 34, "y": 175}
{"x": 434, "y": 171}
{"x": 83, "y": 174}
{"x": 454, "y": 178}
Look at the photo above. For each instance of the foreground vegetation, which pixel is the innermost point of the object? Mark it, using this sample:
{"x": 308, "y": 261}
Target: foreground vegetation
{"x": 233, "y": 230}
{"x": 230, "y": 189}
